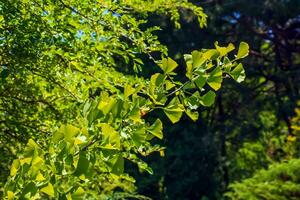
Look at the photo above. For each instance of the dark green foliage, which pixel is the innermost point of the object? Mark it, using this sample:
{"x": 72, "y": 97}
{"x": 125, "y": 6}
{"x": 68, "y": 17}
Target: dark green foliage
{"x": 279, "y": 182}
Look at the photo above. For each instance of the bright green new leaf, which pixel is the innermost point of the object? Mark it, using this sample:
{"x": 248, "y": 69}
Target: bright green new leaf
{"x": 243, "y": 50}
{"x": 156, "y": 129}
{"x": 128, "y": 90}
{"x": 224, "y": 50}
{"x": 155, "y": 81}
{"x": 168, "y": 65}
{"x": 111, "y": 138}
{"x": 30, "y": 148}
{"x": 78, "y": 193}
{"x": 215, "y": 78}
{"x": 10, "y": 195}
{"x": 67, "y": 132}
{"x": 174, "y": 110}
{"x": 49, "y": 190}
{"x": 40, "y": 177}
{"x": 200, "y": 81}
{"x": 169, "y": 85}
{"x": 189, "y": 65}
{"x": 198, "y": 59}
{"x": 210, "y": 54}
{"x": 139, "y": 136}
{"x": 14, "y": 167}
{"x": 208, "y": 99}
{"x": 194, "y": 115}
{"x": 238, "y": 73}
{"x": 106, "y": 103}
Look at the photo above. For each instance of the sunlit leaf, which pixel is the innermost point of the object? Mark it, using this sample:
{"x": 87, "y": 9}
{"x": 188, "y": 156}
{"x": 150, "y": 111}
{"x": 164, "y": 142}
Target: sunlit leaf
{"x": 49, "y": 190}
{"x": 243, "y": 50}
{"x": 168, "y": 65}
{"x": 215, "y": 78}
{"x": 174, "y": 110}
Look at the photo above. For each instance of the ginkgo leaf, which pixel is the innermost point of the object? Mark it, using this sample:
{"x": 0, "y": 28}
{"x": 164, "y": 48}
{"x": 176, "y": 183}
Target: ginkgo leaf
{"x": 215, "y": 78}
{"x": 168, "y": 65}
{"x": 208, "y": 99}
{"x": 198, "y": 59}
{"x": 238, "y": 73}
{"x": 67, "y": 132}
{"x": 156, "y": 129}
{"x": 174, "y": 110}
{"x": 49, "y": 190}
{"x": 10, "y": 195}
{"x": 110, "y": 135}
{"x": 194, "y": 115}
{"x": 14, "y": 167}
{"x": 224, "y": 50}
{"x": 243, "y": 50}
{"x": 40, "y": 177}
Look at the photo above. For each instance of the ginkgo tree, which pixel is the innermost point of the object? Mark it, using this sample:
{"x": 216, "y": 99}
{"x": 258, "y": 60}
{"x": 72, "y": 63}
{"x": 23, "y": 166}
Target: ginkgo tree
{"x": 71, "y": 85}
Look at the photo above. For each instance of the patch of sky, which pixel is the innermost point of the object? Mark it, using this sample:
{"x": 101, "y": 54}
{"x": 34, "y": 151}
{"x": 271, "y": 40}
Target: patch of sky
{"x": 79, "y": 34}
{"x": 45, "y": 13}
{"x": 107, "y": 11}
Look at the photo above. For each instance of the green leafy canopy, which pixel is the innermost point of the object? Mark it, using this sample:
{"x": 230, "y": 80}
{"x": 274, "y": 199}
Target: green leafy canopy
{"x": 79, "y": 68}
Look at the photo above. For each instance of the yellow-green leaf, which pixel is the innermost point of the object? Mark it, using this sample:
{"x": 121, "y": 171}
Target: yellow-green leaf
{"x": 198, "y": 59}
{"x": 174, "y": 110}
{"x": 192, "y": 114}
{"x": 49, "y": 190}
{"x": 40, "y": 177}
{"x": 210, "y": 54}
{"x": 156, "y": 129}
{"x": 78, "y": 193}
{"x": 14, "y": 167}
{"x": 10, "y": 195}
{"x": 208, "y": 99}
{"x": 128, "y": 90}
{"x": 238, "y": 73}
{"x": 243, "y": 50}
{"x": 168, "y": 65}
{"x": 215, "y": 78}
{"x": 224, "y": 50}
{"x": 110, "y": 136}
